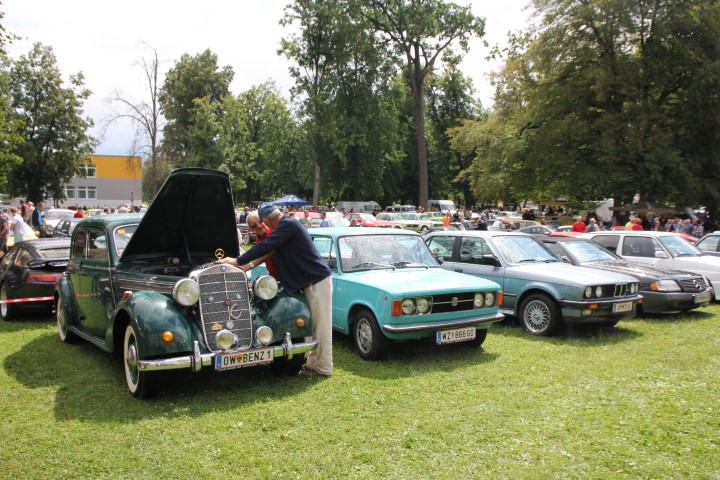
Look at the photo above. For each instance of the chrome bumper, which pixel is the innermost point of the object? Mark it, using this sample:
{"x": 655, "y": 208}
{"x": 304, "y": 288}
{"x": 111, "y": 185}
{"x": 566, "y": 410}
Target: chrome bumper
{"x": 198, "y": 360}
{"x": 434, "y": 326}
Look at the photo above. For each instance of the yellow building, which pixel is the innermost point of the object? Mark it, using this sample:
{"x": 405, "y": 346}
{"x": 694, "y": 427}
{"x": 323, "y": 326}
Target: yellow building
{"x": 111, "y": 181}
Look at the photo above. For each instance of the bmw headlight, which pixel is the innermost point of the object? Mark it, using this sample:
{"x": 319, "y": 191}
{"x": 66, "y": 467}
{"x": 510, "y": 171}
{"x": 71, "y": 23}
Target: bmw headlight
{"x": 264, "y": 335}
{"x": 186, "y": 292}
{"x": 408, "y": 306}
{"x": 225, "y": 339}
{"x": 666, "y": 286}
{"x": 265, "y": 287}
{"x": 598, "y": 291}
{"x": 588, "y": 292}
{"x": 479, "y": 300}
{"x": 424, "y": 305}
{"x": 489, "y": 299}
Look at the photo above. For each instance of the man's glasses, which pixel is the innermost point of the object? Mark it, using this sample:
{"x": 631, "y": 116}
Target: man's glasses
{"x": 253, "y": 226}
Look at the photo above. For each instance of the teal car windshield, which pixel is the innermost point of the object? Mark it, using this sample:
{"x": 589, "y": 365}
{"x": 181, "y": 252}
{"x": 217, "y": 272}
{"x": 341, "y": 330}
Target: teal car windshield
{"x": 522, "y": 249}
{"x": 364, "y": 252}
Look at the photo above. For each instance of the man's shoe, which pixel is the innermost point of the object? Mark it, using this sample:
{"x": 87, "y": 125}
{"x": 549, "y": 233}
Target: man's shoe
{"x": 311, "y": 372}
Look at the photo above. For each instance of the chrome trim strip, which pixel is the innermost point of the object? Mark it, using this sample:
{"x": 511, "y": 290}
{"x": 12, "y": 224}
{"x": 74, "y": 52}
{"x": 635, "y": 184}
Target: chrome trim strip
{"x": 162, "y": 287}
{"x": 197, "y": 360}
{"x": 434, "y": 326}
{"x": 584, "y": 303}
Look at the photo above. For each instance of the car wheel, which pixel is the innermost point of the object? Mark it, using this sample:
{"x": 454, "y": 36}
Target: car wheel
{"x": 66, "y": 336}
{"x": 7, "y": 311}
{"x": 246, "y": 239}
{"x": 540, "y": 315}
{"x": 369, "y": 341}
{"x": 480, "y": 336}
{"x": 140, "y": 384}
{"x": 423, "y": 229}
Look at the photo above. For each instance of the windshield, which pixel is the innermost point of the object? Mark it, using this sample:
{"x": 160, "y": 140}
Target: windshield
{"x": 586, "y": 252}
{"x": 679, "y": 247}
{"x": 122, "y": 236}
{"x": 381, "y": 251}
{"x": 522, "y": 249}
{"x": 54, "y": 215}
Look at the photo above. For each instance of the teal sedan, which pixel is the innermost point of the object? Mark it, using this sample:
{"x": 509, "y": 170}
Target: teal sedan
{"x": 387, "y": 286}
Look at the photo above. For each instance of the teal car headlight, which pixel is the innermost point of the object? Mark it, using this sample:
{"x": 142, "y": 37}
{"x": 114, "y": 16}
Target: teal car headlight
{"x": 265, "y": 287}
{"x": 186, "y": 292}
{"x": 489, "y": 299}
{"x": 479, "y": 300}
{"x": 408, "y": 306}
{"x": 424, "y": 305}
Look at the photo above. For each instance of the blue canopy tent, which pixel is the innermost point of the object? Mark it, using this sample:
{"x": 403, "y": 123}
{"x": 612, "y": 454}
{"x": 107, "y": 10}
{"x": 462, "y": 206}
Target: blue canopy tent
{"x": 290, "y": 201}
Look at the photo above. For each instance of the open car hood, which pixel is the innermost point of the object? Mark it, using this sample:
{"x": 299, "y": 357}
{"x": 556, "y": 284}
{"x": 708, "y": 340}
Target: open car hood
{"x": 191, "y": 217}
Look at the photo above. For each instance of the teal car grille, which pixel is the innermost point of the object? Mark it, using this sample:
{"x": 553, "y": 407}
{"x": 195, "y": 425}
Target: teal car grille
{"x": 453, "y": 302}
{"x": 225, "y": 305}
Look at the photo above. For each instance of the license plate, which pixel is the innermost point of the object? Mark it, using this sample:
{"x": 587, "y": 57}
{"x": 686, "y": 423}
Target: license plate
{"x": 622, "y": 307}
{"x": 455, "y": 335}
{"x": 246, "y": 358}
{"x": 702, "y": 297}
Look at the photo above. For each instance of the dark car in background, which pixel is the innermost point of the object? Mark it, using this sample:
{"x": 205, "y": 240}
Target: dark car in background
{"x": 150, "y": 288}
{"x": 663, "y": 290}
{"x": 65, "y": 227}
{"x": 30, "y": 270}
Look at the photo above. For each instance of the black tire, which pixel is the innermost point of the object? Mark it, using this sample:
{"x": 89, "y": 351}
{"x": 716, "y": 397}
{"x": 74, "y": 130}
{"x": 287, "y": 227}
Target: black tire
{"x": 540, "y": 315}
{"x": 369, "y": 341}
{"x": 66, "y": 336}
{"x": 289, "y": 367}
{"x": 424, "y": 229}
{"x": 140, "y": 384}
{"x": 7, "y": 310}
{"x": 480, "y": 336}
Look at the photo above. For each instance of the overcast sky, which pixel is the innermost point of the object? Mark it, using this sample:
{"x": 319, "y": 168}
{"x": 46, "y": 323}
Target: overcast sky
{"x": 105, "y": 40}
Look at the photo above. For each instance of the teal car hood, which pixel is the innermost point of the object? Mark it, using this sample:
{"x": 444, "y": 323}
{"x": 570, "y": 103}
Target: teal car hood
{"x": 409, "y": 281}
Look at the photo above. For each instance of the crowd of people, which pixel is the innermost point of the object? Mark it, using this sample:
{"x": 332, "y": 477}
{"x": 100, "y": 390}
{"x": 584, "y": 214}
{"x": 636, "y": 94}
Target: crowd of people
{"x": 696, "y": 227}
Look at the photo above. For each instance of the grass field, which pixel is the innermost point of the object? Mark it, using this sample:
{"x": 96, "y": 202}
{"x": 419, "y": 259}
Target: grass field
{"x": 641, "y": 400}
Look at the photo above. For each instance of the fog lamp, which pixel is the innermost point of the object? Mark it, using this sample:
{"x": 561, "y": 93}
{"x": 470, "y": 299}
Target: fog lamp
{"x": 264, "y": 335}
{"x": 225, "y": 339}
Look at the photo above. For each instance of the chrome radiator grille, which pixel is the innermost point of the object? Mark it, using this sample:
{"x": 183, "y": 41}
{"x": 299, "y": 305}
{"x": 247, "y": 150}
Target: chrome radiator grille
{"x": 225, "y": 304}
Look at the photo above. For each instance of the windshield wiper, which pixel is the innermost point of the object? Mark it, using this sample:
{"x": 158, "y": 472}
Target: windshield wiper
{"x": 371, "y": 265}
{"x": 409, "y": 264}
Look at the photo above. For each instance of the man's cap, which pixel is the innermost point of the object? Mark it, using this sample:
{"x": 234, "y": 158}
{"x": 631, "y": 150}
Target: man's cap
{"x": 265, "y": 209}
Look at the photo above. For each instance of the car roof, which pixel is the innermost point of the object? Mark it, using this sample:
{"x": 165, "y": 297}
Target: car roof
{"x": 483, "y": 233}
{"x": 110, "y": 221}
{"x": 45, "y": 243}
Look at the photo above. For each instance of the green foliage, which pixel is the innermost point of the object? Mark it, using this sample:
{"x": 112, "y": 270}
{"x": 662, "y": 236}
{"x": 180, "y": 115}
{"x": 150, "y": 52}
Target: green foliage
{"x": 190, "y": 80}
{"x": 635, "y": 401}
{"x": 48, "y": 117}
{"x": 162, "y": 170}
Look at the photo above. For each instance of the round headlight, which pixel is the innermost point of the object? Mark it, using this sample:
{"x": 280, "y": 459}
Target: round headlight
{"x": 408, "y": 306}
{"x": 265, "y": 287}
{"x": 598, "y": 291}
{"x": 479, "y": 298}
{"x": 225, "y": 339}
{"x": 588, "y": 292}
{"x": 186, "y": 292}
{"x": 489, "y": 299}
{"x": 264, "y": 335}
{"x": 423, "y": 305}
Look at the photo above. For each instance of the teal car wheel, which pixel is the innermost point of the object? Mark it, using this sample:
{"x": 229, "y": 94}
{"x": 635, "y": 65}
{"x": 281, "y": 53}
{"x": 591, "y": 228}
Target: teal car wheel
{"x": 140, "y": 384}
{"x": 540, "y": 315}
{"x": 65, "y": 335}
{"x": 369, "y": 341}
{"x": 7, "y": 312}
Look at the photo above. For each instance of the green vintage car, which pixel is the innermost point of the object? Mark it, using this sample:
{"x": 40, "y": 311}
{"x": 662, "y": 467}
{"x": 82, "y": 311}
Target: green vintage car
{"x": 149, "y": 286}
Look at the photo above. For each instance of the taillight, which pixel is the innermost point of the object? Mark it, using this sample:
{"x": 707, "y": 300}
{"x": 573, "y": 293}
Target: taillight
{"x": 44, "y": 277}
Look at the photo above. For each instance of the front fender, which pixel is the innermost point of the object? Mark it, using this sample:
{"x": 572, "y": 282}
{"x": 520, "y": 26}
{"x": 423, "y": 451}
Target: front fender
{"x": 281, "y": 313}
{"x": 64, "y": 290}
{"x": 155, "y": 313}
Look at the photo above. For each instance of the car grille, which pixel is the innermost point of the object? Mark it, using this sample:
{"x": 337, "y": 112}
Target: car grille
{"x": 617, "y": 290}
{"x": 225, "y": 304}
{"x": 696, "y": 284}
{"x": 453, "y": 302}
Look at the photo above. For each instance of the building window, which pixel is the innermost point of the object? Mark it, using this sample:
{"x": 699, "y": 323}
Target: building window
{"x": 70, "y": 192}
{"x": 90, "y": 170}
{"x": 86, "y": 193}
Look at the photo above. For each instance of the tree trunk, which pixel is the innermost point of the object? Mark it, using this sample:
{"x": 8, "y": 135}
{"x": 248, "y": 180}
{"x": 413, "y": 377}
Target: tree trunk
{"x": 421, "y": 144}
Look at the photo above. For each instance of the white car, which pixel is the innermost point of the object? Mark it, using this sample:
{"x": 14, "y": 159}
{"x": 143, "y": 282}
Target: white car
{"x": 662, "y": 249}
{"x": 52, "y": 216}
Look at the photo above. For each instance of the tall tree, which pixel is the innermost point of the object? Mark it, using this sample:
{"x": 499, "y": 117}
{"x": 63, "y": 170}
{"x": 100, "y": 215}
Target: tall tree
{"x": 145, "y": 115}
{"x": 50, "y": 118}
{"x": 192, "y": 78}
{"x": 420, "y": 30}
{"x": 9, "y": 126}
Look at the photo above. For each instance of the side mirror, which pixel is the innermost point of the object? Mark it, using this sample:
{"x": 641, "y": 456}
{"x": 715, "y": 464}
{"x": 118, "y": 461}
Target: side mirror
{"x": 660, "y": 254}
{"x": 489, "y": 259}
{"x": 565, "y": 259}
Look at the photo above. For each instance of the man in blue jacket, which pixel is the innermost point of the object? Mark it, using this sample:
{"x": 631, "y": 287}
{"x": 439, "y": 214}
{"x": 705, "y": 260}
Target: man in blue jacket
{"x": 299, "y": 267}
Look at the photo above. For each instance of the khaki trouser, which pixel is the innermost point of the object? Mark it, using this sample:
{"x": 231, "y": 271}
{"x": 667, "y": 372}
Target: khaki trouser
{"x": 319, "y": 297}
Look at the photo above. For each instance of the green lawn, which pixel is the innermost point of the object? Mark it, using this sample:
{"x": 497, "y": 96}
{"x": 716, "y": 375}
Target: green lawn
{"x": 641, "y": 400}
